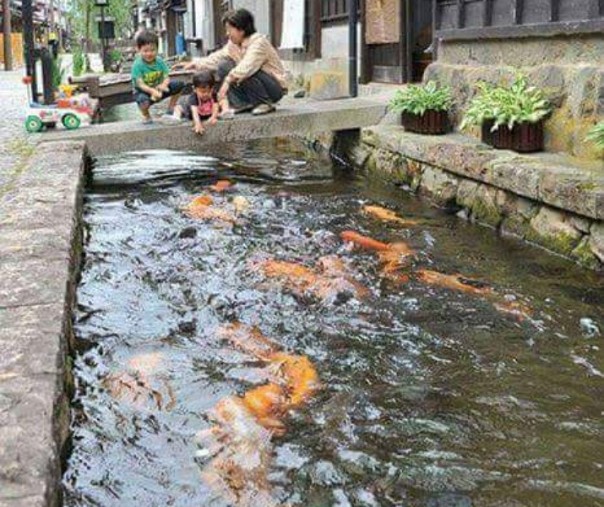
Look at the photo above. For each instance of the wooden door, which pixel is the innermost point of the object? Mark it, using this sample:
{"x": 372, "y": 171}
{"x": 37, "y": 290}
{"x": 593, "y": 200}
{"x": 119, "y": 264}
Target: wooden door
{"x": 219, "y": 7}
{"x": 383, "y": 42}
{"x": 395, "y": 51}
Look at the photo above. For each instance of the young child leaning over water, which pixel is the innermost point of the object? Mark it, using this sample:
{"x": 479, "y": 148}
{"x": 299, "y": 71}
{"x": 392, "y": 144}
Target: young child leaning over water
{"x": 201, "y": 104}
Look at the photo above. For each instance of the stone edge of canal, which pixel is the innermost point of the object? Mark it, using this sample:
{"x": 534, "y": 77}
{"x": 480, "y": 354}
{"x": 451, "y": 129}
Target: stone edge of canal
{"x": 40, "y": 254}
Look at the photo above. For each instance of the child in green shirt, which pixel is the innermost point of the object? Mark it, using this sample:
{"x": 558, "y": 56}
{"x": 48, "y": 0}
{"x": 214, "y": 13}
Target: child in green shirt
{"x": 150, "y": 77}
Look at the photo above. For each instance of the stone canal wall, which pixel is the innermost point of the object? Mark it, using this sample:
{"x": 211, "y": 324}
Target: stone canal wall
{"x": 544, "y": 198}
{"x": 40, "y": 249}
{"x": 569, "y": 68}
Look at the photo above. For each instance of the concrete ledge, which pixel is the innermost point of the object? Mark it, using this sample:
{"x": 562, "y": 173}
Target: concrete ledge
{"x": 553, "y": 201}
{"x": 40, "y": 243}
{"x": 303, "y": 118}
{"x": 559, "y": 181}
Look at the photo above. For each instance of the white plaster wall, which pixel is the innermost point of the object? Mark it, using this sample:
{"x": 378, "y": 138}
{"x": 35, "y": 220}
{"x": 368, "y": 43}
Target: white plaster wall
{"x": 334, "y": 52}
{"x": 260, "y": 10}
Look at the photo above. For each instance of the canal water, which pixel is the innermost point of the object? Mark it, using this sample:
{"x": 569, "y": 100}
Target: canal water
{"x": 430, "y": 397}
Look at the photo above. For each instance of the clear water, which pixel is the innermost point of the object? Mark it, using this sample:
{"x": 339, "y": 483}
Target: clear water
{"x": 430, "y": 397}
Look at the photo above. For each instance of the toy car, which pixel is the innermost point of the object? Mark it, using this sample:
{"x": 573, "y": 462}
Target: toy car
{"x": 70, "y": 112}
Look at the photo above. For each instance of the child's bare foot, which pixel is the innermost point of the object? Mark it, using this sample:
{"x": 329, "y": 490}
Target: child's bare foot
{"x": 227, "y": 114}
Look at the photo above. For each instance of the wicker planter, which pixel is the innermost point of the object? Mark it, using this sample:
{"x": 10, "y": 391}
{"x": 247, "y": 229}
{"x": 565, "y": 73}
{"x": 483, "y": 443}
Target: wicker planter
{"x": 523, "y": 137}
{"x": 432, "y": 122}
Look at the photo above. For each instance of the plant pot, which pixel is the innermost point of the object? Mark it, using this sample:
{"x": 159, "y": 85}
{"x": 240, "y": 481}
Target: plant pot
{"x": 431, "y": 122}
{"x": 523, "y": 137}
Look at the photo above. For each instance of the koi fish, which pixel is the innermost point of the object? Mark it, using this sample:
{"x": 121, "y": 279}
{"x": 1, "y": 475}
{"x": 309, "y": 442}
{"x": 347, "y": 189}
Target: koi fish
{"x": 241, "y": 204}
{"x": 386, "y": 215}
{"x": 363, "y": 241}
{"x": 135, "y": 386}
{"x": 221, "y": 186}
{"x": 453, "y": 282}
{"x": 239, "y": 442}
{"x": 459, "y": 283}
{"x": 328, "y": 282}
{"x": 393, "y": 256}
{"x": 201, "y": 208}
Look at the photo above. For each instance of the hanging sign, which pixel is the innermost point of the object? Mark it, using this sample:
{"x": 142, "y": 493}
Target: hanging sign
{"x": 292, "y": 35}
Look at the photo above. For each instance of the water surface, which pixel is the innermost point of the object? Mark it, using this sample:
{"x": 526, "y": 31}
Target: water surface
{"x": 430, "y": 397}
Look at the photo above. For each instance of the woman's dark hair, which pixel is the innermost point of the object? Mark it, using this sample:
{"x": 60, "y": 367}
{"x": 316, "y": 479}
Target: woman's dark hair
{"x": 203, "y": 79}
{"x": 242, "y": 19}
{"x": 146, "y": 37}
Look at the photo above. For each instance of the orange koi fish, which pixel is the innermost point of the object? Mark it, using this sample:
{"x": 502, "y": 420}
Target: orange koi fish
{"x": 459, "y": 283}
{"x": 393, "y": 256}
{"x": 363, "y": 241}
{"x": 201, "y": 208}
{"x": 221, "y": 186}
{"x": 453, "y": 282}
{"x": 239, "y": 443}
{"x": 387, "y": 215}
{"x": 328, "y": 282}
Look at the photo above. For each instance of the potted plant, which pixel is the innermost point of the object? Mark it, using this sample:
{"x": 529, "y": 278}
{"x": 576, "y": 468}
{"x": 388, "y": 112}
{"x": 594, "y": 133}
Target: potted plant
{"x": 511, "y": 117}
{"x": 424, "y": 108}
{"x": 596, "y": 135}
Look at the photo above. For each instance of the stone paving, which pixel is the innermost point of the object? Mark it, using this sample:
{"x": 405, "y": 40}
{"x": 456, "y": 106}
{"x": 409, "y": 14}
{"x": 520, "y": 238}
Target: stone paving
{"x": 40, "y": 199}
{"x": 14, "y": 143}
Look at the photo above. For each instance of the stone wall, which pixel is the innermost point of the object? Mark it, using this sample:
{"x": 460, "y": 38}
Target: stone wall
{"x": 539, "y": 200}
{"x": 570, "y": 69}
{"x": 40, "y": 248}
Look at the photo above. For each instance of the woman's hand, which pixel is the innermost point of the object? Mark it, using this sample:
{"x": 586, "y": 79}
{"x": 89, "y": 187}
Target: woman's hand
{"x": 224, "y": 89}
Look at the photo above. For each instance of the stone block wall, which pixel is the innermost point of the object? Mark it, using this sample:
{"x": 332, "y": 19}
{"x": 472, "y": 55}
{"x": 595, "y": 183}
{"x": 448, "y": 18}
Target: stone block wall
{"x": 570, "y": 69}
{"x": 491, "y": 188}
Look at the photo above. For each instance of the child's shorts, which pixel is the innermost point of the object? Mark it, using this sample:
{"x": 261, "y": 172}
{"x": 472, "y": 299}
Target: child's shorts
{"x": 143, "y": 98}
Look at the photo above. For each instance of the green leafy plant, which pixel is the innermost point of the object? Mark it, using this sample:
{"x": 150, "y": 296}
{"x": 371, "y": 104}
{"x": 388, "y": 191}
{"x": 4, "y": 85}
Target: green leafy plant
{"x": 417, "y": 99}
{"x": 79, "y": 61}
{"x": 596, "y": 135}
{"x": 115, "y": 55}
{"x": 58, "y": 73}
{"x": 518, "y": 103}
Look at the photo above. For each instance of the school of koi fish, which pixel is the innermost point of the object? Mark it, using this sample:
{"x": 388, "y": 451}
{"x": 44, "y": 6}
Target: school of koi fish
{"x": 238, "y": 444}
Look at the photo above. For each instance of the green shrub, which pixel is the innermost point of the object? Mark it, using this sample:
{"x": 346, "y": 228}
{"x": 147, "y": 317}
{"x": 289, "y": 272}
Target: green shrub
{"x": 115, "y": 56}
{"x": 79, "y": 61}
{"x": 596, "y": 135}
{"x": 417, "y": 99}
{"x": 58, "y": 74}
{"x": 518, "y": 103}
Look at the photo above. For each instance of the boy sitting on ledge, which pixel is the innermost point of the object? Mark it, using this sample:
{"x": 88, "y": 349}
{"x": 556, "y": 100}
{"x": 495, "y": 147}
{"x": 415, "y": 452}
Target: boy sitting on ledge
{"x": 150, "y": 77}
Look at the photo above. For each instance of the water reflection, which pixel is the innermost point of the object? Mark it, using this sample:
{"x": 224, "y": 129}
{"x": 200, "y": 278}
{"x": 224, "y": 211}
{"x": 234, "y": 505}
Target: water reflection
{"x": 431, "y": 397}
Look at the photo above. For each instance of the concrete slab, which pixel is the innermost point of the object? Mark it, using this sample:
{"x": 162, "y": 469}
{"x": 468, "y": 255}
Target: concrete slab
{"x": 40, "y": 241}
{"x": 302, "y": 118}
{"x": 557, "y": 180}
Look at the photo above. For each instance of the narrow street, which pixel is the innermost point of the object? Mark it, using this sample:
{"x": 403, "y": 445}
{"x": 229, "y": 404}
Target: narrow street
{"x": 13, "y": 139}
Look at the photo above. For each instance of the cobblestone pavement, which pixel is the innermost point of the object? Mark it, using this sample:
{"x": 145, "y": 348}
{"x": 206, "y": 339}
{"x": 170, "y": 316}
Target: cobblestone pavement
{"x": 14, "y": 140}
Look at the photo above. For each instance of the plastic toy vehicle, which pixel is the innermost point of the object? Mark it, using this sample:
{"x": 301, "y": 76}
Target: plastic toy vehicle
{"x": 70, "y": 112}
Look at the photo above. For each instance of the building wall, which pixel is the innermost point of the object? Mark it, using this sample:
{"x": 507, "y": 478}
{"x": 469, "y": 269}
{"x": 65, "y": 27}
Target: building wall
{"x": 327, "y": 76}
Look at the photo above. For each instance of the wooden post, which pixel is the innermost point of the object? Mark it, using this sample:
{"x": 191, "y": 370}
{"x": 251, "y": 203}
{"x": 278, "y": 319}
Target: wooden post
{"x": 517, "y": 12}
{"x": 554, "y": 11}
{"x": 408, "y": 41}
{"x": 365, "y": 65}
{"x": 460, "y": 13}
{"x": 487, "y": 12}
{"x": 596, "y": 8}
{"x": 435, "y": 26}
{"x": 7, "y": 33}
